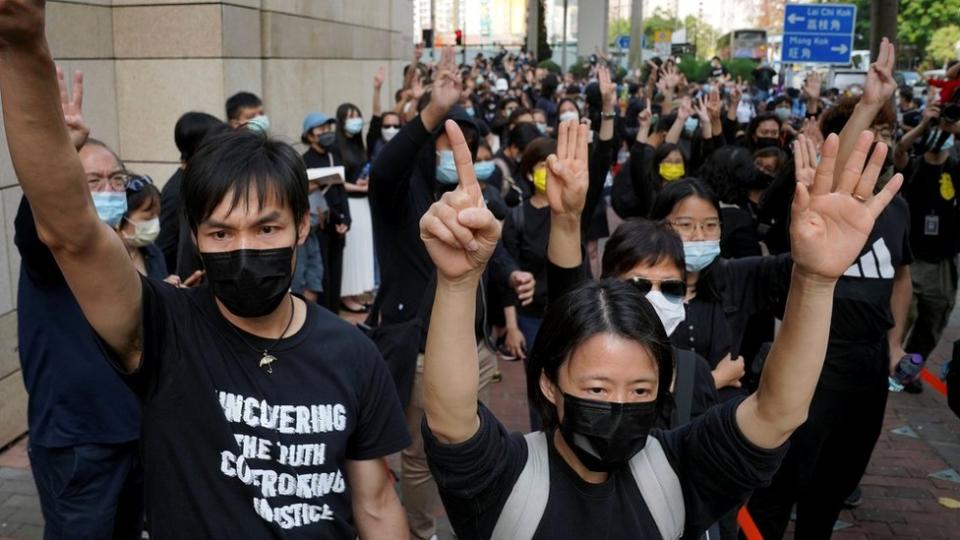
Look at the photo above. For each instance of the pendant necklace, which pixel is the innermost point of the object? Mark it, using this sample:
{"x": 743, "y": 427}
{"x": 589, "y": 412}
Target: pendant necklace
{"x": 267, "y": 359}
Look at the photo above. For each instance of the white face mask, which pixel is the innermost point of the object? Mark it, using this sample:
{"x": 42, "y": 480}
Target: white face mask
{"x": 389, "y": 132}
{"x": 144, "y": 232}
{"x": 669, "y": 309}
{"x": 568, "y": 116}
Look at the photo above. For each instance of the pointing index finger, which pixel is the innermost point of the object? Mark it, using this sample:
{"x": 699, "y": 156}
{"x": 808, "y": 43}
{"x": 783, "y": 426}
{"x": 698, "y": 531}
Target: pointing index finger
{"x": 461, "y": 156}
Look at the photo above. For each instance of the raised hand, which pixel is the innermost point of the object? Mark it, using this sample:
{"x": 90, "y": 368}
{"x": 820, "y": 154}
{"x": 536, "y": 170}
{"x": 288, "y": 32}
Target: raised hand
{"x": 703, "y": 112}
{"x": 458, "y": 231}
{"x": 608, "y": 89}
{"x": 21, "y": 22}
{"x": 446, "y": 82}
{"x": 568, "y": 176}
{"x": 645, "y": 116}
{"x": 880, "y": 84}
{"x": 829, "y": 229}
{"x": 378, "y": 78}
{"x": 804, "y": 160}
{"x": 714, "y": 104}
{"x": 671, "y": 77}
{"x": 73, "y": 108}
{"x": 811, "y": 86}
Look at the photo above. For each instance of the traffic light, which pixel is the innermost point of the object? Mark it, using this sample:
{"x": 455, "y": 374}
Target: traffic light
{"x": 459, "y": 36}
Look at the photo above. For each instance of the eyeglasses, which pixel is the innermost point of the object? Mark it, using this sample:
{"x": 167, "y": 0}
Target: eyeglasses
{"x": 117, "y": 181}
{"x": 138, "y": 182}
{"x": 688, "y": 227}
{"x": 670, "y": 287}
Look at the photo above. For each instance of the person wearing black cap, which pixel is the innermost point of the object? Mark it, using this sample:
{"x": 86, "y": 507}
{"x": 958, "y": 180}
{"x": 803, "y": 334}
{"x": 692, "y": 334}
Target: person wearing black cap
{"x": 319, "y": 133}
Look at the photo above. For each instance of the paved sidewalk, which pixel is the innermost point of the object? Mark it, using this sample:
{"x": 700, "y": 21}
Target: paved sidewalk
{"x": 900, "y": 496}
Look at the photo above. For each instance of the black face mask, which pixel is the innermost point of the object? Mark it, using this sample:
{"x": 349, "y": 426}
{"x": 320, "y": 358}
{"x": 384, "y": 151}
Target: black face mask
{"x": 327, "y": 139}
{"x": 605, "y": 435}
{"x": 760, "y": 180}
{"x": 250, "y": 282}
{"x": 767, "y": 142}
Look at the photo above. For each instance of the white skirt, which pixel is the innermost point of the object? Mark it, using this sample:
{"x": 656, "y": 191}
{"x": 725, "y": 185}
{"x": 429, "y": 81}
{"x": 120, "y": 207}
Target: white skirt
{"x": 358, "y": 271}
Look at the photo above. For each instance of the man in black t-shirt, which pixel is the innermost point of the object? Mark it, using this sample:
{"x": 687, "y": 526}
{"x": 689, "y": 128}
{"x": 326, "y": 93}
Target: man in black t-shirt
{"x": 262, "y": 416}
{"x": 935, "y": 219}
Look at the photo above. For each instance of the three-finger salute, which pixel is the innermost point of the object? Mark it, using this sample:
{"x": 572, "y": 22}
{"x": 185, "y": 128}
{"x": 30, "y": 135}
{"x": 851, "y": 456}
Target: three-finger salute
{"x": 458, "y": 231}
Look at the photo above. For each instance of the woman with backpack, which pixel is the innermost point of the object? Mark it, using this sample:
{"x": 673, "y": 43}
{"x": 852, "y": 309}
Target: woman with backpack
{"x": 599, "y": 469}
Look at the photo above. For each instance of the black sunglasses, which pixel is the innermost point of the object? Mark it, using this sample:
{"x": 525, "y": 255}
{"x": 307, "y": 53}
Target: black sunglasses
{"x": 671, "y": 287}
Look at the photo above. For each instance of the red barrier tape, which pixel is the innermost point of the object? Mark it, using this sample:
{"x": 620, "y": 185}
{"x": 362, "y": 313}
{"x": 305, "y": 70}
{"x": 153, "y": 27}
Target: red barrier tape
{"x": 747, "y": 525}
{"x": 933, "y": 381}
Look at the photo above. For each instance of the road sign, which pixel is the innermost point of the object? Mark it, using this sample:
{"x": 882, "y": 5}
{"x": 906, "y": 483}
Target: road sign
{"x": 818, "y": 33}
{"x": 623, "y": 42}
{"x": 661, "y": 43}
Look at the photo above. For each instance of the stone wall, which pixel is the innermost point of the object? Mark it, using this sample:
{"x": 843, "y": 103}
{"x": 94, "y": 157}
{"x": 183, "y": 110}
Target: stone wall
{"x": 148, "y": 61}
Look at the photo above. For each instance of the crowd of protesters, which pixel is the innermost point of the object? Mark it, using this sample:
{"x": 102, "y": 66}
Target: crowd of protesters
{"x": 713, "y": 285}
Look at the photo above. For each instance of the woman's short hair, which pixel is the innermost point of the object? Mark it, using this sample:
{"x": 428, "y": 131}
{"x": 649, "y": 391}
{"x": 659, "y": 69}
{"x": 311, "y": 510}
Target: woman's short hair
{"x": 608, "y": 306}
{"x": 641, "y": 241}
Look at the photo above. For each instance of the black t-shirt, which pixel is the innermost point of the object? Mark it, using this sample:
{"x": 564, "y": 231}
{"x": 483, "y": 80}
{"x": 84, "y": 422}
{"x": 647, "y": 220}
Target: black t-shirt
{"x": 717, "y": 466}
{"x": 231, "y": 451}
{"x": 74, "y": 396}
{"x": 857, "y": 358}
{"x": 934, "y": 215}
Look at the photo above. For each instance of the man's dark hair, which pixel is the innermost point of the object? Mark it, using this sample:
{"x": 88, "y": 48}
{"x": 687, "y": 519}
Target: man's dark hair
{"x": 640, "y": 241}
{"x": 238, "y": 163}
{"x": 906, "y": 94}
{"x": 523, "y": 134}
{"x": 549, "y": 86}
{"x": 608, "y": 306}
{"x": 191, "y": 129}
{"x": 241, "y": 100}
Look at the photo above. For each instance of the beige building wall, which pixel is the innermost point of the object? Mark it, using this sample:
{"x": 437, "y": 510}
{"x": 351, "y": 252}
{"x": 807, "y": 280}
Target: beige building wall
{"x": 146, "y": 62}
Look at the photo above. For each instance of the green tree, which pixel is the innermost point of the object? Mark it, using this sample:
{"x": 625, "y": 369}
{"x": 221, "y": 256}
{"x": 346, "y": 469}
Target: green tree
{"x": 544, "y": 52}
{"x": 703, "y": 36}
{"x": 943, "y": 44}
{"x": 618, "y": 27}
{"x": 661, "y": 21}
{"x": 920, "y": 19}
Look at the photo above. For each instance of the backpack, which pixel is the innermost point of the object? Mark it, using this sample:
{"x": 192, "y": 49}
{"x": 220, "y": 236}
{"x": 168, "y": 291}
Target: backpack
{"x": 655, "y": 477}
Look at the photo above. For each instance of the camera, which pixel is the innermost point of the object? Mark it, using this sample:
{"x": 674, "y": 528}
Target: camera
{"x": 950, "y": 113}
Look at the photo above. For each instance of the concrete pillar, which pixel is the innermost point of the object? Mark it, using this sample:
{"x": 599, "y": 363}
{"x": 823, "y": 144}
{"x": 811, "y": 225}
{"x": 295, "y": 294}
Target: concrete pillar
{"x": 592, "y": 24}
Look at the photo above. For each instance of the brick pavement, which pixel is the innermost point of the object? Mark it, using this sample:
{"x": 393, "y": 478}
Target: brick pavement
{"x": 900, "y": 497}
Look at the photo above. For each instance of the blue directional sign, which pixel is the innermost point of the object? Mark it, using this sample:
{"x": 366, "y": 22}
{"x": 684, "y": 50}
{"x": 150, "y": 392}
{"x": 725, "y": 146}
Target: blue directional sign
{"x": 818, "y": 33}
{"x": 623, "y": 42}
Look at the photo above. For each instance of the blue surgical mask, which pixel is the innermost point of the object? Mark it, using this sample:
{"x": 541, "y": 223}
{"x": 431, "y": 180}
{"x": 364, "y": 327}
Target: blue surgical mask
{"x": 446, "y": 168}
{"x": 483, "y": 169}
{"x": 470, "y": 111}
{"x": 782, "y": 114}
{"x": 699, "y": 255}
{"x": 690, "y": 125}
{"x": 542, "y": 127}
{"x": 111, "y": 206}
{"x": 353, "y": 125}
{"x": 259, "y": 123}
